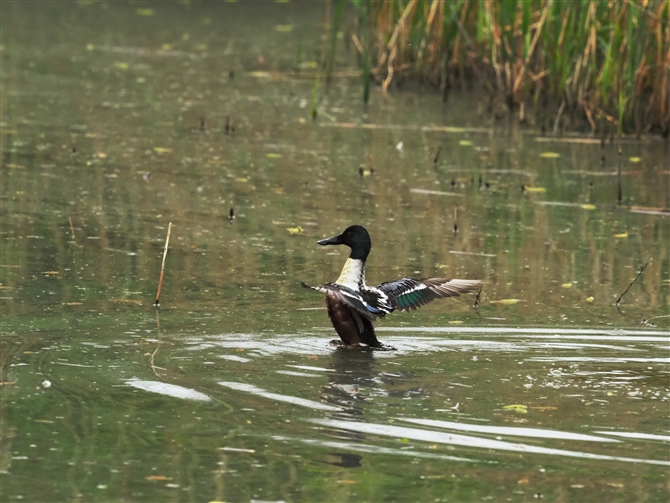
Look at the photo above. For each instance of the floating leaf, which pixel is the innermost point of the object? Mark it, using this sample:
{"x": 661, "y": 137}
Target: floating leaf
{"x": 506, "y": 301}
{"x": 14, "y": 166}
{"x": 284, "y": 28}
{"x": 550, "y": 155}
{"x": 158, "y": 477}
{"x": 274, "y": 155}
{"x": 101, "y": 155}
{"x": 590, "y": 299}
{"x": 456, "y": 322}
{"x": 162, "y": 150}
{"x": 166, "y": 47}
{"x": 566, "y": 285}
{"x": 89, "y": 47}
{"x": 242, "y": 180}
{"x": 621, "y": 235}
{"x": 635, "y": 159}
{"x": 121, "y": 65}
{"x": 528, "y": 188}
{"x": 465, "y": 143}
{"x": 294, "y": 230}
{"x": 145, "y": 12}
{"x": 521, "y": 409}
{"x": 589, "y": 207}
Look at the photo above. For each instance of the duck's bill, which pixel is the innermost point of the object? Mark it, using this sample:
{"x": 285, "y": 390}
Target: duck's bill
{"x": 335, "y": 240}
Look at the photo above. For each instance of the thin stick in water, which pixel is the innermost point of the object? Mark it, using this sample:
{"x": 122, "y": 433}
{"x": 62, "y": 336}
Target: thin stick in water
{"x": 631, "y": 284}
{"x": 160, "y": 280}
{"x": 619, "y": 196}
{"x": 71, "y": 227}
{"x": 436, "y": 159}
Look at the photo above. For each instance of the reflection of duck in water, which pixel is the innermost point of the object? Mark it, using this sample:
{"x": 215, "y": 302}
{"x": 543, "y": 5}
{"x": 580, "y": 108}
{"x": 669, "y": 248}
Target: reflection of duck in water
{"x": 353, "y": 306}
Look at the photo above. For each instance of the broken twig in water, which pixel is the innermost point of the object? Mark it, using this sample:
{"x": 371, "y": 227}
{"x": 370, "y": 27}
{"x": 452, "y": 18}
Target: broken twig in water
{"x": 631, "y": 284}
{"x": 160, "y": 280}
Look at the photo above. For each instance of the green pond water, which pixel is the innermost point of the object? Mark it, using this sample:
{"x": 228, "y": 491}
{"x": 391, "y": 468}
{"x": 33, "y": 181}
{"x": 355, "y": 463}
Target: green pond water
{"x": 231, "y": 390}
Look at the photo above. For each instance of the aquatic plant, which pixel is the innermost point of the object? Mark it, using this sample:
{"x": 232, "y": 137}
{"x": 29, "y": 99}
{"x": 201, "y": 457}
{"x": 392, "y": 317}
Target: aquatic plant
{"x": 603, "y": 65}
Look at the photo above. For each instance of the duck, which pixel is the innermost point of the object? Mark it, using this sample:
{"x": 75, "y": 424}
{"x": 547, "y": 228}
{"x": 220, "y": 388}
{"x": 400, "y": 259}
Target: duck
{"x": 354, "y": 307}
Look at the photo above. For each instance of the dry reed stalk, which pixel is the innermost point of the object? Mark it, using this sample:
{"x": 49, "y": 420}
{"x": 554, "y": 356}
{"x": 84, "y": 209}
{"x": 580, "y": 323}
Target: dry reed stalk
{"x": 531, "y": 49}
{"x": 391, "y": 46}
{"x": 160, "y": 280}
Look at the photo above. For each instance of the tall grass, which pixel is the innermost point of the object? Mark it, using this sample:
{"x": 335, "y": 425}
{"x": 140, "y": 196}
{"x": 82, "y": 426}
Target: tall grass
{"x": 602, "y": 64}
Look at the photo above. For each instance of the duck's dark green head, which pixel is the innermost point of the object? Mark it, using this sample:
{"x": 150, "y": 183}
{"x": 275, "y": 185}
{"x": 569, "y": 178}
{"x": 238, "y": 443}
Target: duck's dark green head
{"x": 356, "y": 238}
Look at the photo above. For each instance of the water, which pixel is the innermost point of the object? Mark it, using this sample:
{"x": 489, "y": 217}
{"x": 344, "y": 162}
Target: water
{"x": 232, "y": 390}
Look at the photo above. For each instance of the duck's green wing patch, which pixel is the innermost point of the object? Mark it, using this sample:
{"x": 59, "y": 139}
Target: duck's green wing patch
{"x": 409, "y": 293}
{"x": 349, "y": 297}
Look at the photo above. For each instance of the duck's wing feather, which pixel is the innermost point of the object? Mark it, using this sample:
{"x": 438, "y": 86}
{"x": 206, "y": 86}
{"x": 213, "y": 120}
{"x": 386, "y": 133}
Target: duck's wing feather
{"x": 409, "y": 293}
{"x": 368, "y": 303}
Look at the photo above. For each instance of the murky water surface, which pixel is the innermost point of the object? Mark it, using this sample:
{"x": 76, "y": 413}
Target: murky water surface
{"x": 114, "y": 124}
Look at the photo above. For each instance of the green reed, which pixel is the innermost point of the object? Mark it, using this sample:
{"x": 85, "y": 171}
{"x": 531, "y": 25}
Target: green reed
{"x": 605, "y": 65}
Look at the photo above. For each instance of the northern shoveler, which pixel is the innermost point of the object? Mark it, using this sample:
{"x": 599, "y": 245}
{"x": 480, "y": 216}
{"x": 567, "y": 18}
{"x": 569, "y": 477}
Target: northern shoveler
{"x": 353, "y": 306}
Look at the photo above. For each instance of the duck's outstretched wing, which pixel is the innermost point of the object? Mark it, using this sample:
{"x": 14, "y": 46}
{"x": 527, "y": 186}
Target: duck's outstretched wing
{"x": 409, "y": 293}
{"x": 368, "y": 303}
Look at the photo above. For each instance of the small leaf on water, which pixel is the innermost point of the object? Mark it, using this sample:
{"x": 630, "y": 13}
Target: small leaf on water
{"x": 635, "y": 159}
{"x": 566, "y": 285}
{"x": 528, "y": 188}
{"x": 274, "y": 155}
{"x": 506, "y": 301}
{"x": 166, "y": 47}
{"x": 15, "y": 166}
{"x": 465, "y": 143}
{"x": 121, "y": 65}
{"x": 550, "y": 155}
{"x": 405, "y": 440}
{"x": 589, "y": 207}
{"x": 89, "y": 47}
{"x": 590, "y": 299}
{"x": 242, "y": 180}
{"x": 521, "y": 409}
{"x": 621, "y": 235}
{"x": 145, "y": 12}
{"x": 162, "y": 150}
{"x": 455, "y": 322}
{"x": 101, "y": 155}
{"x": 284, "y": 28}
{"x": 158, "y": 477}
{"x": 294, "y": 230}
